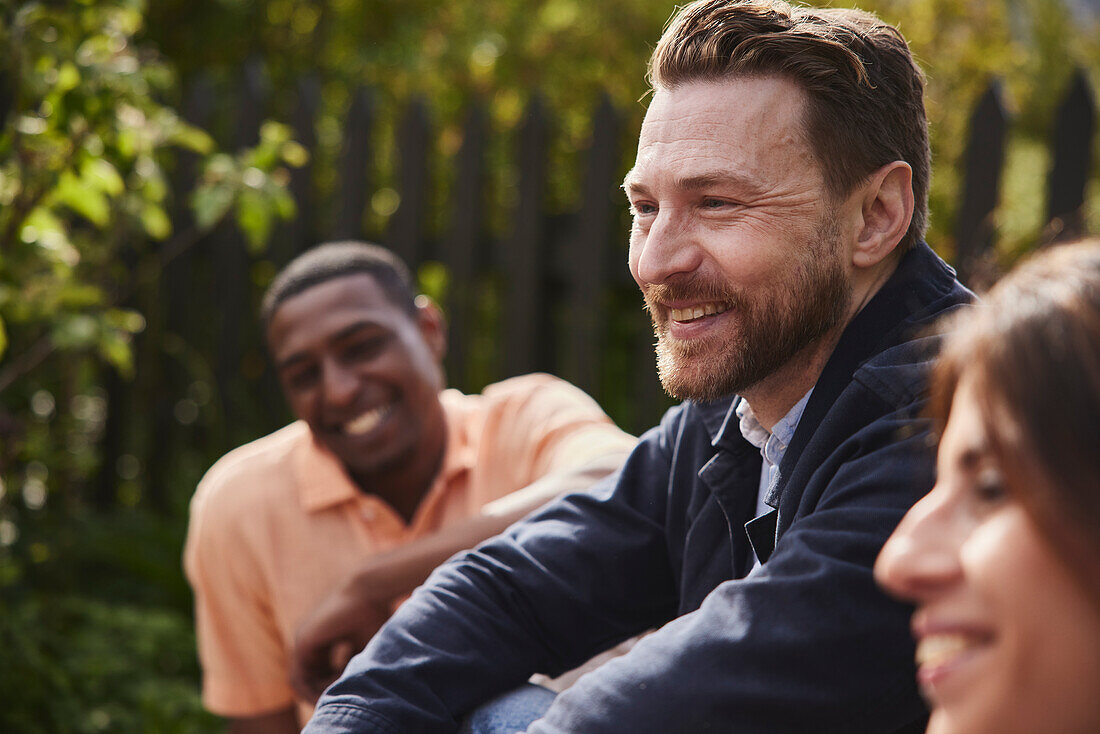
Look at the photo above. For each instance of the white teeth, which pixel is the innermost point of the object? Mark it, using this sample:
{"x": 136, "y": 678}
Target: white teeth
{"x": 367, "y": 421}
{"x": 696, "y": 312}
{"x": 937, "y": 649}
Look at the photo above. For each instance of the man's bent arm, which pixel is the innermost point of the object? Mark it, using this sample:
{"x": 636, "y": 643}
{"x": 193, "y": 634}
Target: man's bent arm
{"x": 805, "y": 643}
{"x": 581, "y": 575}
{"x": 345, "y": 622}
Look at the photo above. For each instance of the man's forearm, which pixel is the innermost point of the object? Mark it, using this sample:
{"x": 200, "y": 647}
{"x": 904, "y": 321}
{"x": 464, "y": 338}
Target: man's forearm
{"x": 408, "y": 566}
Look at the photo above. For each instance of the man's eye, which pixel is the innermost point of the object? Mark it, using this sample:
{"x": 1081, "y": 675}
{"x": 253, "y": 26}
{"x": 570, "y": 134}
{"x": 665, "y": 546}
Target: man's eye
{"x": 709, "y": 203}
{"x": 364, "y": 349}
{"x": 302, "y": 379}
{"x": 642, "y": 208}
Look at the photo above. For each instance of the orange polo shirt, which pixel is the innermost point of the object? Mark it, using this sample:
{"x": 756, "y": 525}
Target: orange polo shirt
{"x": 277, "y": 524}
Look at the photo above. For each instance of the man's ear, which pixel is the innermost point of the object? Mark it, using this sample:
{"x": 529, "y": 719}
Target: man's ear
{"x": 432, "y": 325}
{"x": 887, "y": 208}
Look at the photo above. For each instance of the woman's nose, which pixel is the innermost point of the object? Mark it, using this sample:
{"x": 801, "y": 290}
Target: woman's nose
{"x": 921, "y": 558}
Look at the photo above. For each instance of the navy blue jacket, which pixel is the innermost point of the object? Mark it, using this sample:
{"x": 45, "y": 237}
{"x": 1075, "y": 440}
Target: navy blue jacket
{"x": 805, "y": 643}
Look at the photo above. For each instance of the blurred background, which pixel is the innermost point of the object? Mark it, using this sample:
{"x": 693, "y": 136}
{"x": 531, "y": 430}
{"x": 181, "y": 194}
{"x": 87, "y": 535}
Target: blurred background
{"x": 160, "y": 161}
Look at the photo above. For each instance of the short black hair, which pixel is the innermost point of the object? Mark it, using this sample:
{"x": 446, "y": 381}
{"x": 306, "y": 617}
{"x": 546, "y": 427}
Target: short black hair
{"x": 330, "y": 260}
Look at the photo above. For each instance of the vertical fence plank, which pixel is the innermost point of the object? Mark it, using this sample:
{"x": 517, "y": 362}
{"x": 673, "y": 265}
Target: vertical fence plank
{"x": 300, "y": 233}
{"x": 586, "y": 289}
{"x": 232, "y": 277}
{"x": 354, "y": 167}
{"x": 177, "y": 323}
{"x": 526, "y": 332}
{"x": 981, "y": 182}
{"x": 1074, "y": 126}
{"x": 463, "y": 239}
{"x": 406, "y": 228}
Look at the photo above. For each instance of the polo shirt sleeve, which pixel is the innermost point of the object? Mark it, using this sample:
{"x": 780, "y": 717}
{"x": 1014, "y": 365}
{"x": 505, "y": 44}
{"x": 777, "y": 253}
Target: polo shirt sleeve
{"x": 539, "y": 425}
{"x": 240, "y": 649}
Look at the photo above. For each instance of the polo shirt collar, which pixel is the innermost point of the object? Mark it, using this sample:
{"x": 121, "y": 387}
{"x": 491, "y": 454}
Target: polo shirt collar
{"x": 324, "y": 483}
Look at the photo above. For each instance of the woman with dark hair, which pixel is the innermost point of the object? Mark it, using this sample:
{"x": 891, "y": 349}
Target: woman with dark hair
{"x": 1002, "y": 558}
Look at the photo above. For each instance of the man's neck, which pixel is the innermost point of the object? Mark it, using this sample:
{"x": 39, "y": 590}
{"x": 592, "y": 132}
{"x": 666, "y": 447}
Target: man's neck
{"x": 774, "y": 396}
{"x": 405, "y": 485}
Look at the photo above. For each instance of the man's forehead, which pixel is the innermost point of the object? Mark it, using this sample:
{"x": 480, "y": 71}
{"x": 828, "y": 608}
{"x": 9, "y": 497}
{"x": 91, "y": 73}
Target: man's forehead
{"x": 730, "y": 130}
{"x": 328, "y": 308}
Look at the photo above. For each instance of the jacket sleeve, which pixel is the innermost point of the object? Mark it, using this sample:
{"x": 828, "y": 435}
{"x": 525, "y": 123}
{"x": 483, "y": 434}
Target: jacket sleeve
{"x": 804, "y": 643}
{"x": 584, "y": 573}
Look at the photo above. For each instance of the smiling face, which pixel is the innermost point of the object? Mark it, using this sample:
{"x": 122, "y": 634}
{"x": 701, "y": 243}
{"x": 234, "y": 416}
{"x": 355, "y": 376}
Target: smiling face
{"x": 1008, "y": 642}
{"x": 735, "y": 243}
{"x": 363, "y": 373}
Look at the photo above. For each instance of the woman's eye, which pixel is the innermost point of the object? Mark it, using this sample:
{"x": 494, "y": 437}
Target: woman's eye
{"x": 989, "y": 487}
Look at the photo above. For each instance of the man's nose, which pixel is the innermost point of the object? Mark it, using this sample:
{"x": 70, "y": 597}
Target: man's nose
{"x": 921, "y": 558}
{"x": 668, "y": 249}
{"x": 340, "y": 384}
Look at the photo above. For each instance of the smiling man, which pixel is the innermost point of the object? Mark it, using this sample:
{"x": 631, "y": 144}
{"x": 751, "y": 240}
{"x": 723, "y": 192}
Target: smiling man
{"x": 383, "y": 477}
{"x": 779, "y": 198}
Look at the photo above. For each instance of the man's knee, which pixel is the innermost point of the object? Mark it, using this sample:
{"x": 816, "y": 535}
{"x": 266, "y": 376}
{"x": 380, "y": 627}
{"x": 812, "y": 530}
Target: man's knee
{"x": 509, "y": 712}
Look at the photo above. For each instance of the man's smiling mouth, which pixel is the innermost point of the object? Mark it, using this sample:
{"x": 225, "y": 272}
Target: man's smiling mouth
{"x": 685, "y": 315}
{"x": 367, "y": 421}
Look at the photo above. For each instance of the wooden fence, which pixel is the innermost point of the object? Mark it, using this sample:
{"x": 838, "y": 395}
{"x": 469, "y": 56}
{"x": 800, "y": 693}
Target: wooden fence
{"x": 549, "y": 292}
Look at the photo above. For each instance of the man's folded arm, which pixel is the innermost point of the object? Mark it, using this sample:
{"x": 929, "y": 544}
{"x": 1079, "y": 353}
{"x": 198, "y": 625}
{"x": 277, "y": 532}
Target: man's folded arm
{"x": 804, "y": 643}
{"x": 581, "y": 575}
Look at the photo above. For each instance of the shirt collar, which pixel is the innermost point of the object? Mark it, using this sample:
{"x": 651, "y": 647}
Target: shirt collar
{"x": 323, "y": 482}
{"x": 782, "y": 431}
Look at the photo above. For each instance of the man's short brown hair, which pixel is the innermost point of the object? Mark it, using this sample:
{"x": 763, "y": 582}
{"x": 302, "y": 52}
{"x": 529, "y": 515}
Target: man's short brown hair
{"x": 865, "y": 92}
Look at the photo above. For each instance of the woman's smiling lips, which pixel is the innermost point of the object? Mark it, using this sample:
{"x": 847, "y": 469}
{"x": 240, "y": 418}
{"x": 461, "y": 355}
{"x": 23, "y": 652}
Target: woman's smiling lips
{"x": 943, "y": 651}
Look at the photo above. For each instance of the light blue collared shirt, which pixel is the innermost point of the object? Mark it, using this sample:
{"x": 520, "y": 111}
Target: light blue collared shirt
{"x": 772, "y": 446}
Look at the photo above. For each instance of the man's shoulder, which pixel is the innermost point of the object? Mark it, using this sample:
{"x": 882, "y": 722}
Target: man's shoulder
{"x": 252, "y": 471}
{"x": 537, "y": 394}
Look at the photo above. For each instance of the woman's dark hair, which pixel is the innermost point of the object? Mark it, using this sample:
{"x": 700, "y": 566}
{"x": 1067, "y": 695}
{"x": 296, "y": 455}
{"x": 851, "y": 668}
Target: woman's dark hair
{"x": 1033, "y": 349}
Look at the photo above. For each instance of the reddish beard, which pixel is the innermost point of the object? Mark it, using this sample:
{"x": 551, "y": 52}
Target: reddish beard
{"x": 766, "y": 328}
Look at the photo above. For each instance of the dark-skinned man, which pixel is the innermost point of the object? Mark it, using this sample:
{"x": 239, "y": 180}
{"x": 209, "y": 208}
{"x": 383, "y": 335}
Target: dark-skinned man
{"x": 383, "y": 477}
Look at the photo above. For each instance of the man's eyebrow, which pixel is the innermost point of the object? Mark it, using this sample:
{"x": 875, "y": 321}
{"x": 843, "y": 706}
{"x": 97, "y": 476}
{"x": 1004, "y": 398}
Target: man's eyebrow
{"x": 718, "y": 178}
{"x": 349, "y": 330}
{"x": 699, "y": 181}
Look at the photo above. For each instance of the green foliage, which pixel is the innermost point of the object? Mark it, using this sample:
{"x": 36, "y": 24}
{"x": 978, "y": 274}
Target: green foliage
{"x": 83, "y": 666}
{"x": 85, "y": 223}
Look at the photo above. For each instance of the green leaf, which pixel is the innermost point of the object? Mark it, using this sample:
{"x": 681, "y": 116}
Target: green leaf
{"x": 124, "y": 320}
{"x": 255, "y": 216}
{"x": 192, "y": 138}
{"x": 100, "y": 174}
{"x": 68, "y": 77}
{"x": 294, "y": 154}
{"x": 3, "y": 338}
{"x": 155, "y": 221}
{"x": 82, "y": 199}
{"x": 210, "y": 202}
{"x": 75, "y": 331}
{"x": 114, "y": 346}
